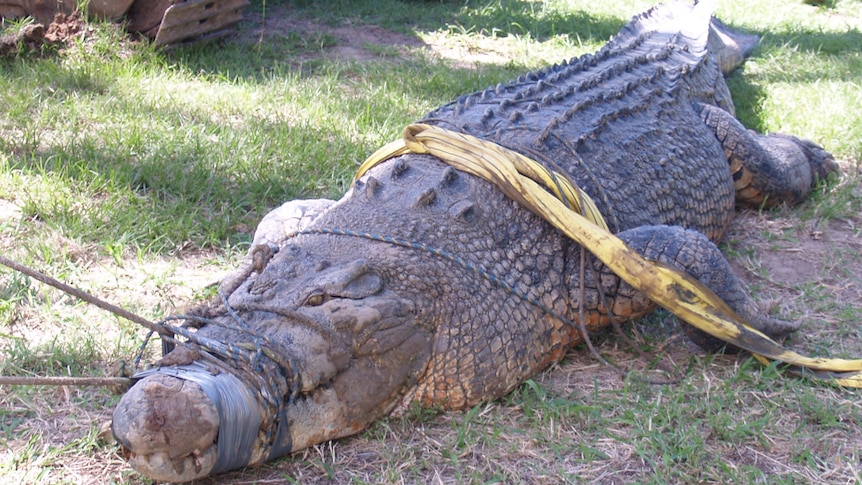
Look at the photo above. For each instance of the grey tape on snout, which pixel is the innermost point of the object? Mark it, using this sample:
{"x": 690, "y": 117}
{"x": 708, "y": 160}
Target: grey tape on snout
{"x": 238, "y": 411}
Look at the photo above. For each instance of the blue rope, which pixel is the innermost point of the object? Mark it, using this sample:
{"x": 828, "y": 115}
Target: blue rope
{"x": 256, "y": 364}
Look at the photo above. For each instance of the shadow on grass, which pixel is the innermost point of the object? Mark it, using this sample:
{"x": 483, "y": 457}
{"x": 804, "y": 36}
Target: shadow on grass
{"x": 748, "y": 97}
{"x": 513, "y": 17}
{"x": 501, "y": 17}
{"x": 817, "y": 42}
{"x": 536, "y": 19}
{"x": 203, "y": 182}
{"x": 284, "y": 48}
{"x": 844, "y": 62}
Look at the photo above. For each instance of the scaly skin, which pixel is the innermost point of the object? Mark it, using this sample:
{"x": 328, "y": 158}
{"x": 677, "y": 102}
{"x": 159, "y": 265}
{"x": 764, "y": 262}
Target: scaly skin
{"x": 426, "y": 285}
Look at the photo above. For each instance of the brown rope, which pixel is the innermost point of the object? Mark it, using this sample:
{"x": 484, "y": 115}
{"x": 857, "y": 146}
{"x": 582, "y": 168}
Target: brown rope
{"x": 65, "y": 381}
{"x": 83, "y": 295}
{"x": 614, "y": 321}
{"x": 582, "y": 296}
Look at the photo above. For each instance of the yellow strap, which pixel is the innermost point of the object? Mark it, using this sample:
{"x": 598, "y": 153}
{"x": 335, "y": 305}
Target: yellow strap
{"x": 528, "y": 182}
{"x": 483, "y": 157}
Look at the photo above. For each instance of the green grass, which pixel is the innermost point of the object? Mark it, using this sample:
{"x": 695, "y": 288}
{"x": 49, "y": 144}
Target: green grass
{"x": 139, "y": 174}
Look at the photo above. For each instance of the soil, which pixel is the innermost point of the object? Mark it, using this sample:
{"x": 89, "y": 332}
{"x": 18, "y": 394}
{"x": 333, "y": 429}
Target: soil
{"x": 64, "y": 28}
{"x": 32, "y": 37}
{"x": 351, "y": 42}
{"x": 358, "y": 42}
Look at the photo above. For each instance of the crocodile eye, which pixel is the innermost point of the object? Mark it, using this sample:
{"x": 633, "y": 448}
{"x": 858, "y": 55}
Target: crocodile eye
{"x": 315, "y": 299}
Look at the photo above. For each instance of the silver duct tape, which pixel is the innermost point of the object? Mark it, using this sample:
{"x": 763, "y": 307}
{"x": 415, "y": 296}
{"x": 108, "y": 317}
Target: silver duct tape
{"x": 238, "y": 411}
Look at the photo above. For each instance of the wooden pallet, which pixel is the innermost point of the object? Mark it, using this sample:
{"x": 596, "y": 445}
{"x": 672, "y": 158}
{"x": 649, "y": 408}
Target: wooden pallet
{"x": 198, "y": 18}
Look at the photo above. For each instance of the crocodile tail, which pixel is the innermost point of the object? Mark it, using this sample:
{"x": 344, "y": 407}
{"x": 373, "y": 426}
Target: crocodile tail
{"x": 675, "y": 22}
{"x": 675, "y": 17}
{"x": 701, "y": 30}
{"x": 729, "y": 47}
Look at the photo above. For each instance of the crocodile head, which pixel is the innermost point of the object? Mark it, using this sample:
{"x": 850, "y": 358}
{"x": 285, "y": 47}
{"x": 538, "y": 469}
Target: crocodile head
{"x": 349, "y": 347}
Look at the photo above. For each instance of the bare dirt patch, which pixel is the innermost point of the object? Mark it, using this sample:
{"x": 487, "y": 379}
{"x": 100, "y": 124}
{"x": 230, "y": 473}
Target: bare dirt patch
{"x": 352, "y": 42}
{"x": 808, "y": 270}
{"x": 32, "y": 37}
{"x": 364, "y": 42}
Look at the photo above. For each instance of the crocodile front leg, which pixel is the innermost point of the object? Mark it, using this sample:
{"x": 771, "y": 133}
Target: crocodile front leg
{"x": 768, "y": 170}
{"x": 687, "y": 250}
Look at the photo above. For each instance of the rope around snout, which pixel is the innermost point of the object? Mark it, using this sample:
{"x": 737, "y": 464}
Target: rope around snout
{"x": 241, "y": 413}
{"x": 539, "y": 190}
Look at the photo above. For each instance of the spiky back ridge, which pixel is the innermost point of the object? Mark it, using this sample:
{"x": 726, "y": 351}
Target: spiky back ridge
{"x": 620, "y": 122}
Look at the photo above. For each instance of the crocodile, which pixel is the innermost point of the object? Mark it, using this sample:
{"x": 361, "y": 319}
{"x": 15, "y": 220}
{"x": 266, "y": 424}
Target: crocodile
{"x": 427, "y": 286}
